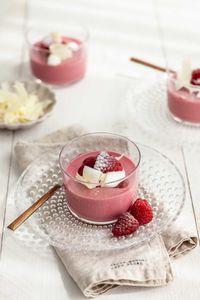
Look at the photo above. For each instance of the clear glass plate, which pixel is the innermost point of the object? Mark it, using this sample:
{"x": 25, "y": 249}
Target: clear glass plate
{"x": 160, "y": 182}
{"x": 146, "y": 105}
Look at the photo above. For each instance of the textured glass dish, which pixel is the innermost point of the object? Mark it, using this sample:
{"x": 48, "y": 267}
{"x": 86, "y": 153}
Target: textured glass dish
{"x": 160, "y": 182}
{"x": 146, "y": 105}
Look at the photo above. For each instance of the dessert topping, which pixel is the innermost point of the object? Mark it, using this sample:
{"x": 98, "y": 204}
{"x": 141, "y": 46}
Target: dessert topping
{"x": 91, "y": 178}
{"x": 142, "y": 211}
{"x": 59, "y": 48}
{"x": 104, "y": 170}
{"x": 107, "y": 163}
{"x": 186, "y": 77}
{"x": 20, "y": 106}
{"x": 74, "y": 46}
{"x": 184, "y": 74}
{"x": 195, "y": 77}
{"x": 53, "y": 60}
{"x": 125, "y": 225}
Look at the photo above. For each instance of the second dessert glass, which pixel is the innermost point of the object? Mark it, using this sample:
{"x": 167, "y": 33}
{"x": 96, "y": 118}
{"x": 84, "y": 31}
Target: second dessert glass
{"x": 68, "y": 70}
{"x": 183, "y": 93}
{"x": 102, "y": 204}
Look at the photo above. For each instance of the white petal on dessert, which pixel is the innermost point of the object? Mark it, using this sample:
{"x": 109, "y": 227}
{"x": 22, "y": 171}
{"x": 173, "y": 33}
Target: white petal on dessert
{"x": 91, "y": 175}
{"x": 53, "y": 60}
{"x": 61, "y": 50}
{"x": 74, "y": 46}
{"x": 85, "y": 183}
{"x": 184, "y": 74}
{"x": 116, "y": 176}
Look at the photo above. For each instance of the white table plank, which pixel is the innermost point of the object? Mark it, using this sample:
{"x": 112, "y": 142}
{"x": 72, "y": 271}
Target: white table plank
{"x": 179, "y": 24}
{"x": 11, "y": 26}
{"x": 192, "y": 159}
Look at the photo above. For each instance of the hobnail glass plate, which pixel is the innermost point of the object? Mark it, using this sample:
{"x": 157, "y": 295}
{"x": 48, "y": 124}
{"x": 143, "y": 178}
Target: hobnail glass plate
{"x": 146, "y": 105}
{"x": 160, "y": 182}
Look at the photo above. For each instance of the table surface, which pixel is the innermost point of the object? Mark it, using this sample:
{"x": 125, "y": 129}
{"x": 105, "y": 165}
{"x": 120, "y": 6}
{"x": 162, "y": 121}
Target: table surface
{"x": 156, "y": 30}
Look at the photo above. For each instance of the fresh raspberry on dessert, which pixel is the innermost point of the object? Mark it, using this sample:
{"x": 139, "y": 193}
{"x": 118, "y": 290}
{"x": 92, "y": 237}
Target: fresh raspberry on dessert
{"x": 195, "y": 77}
{"x": 142, "y": 211}
{"x": 125, "y": 225}
{"x": 89, "y": 162}
{"x": 43, "y": 46}
{"x": 107, "y": 163}
{"x": 80, "y": 170}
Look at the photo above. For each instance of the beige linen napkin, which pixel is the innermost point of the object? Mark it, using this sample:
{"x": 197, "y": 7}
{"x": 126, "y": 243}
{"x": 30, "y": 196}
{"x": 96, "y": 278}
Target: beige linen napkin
{"x": 96, "y": 272}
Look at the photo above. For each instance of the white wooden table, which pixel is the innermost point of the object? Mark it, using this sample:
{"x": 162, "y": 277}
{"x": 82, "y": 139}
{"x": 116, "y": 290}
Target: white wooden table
{"x": 157, "y": 30}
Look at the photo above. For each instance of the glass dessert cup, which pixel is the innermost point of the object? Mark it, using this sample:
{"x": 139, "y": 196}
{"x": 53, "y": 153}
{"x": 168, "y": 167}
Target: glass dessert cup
{"x": 69, "y": 70}
{"x": 100, "y": 204}
{"x": 183, "y": 103}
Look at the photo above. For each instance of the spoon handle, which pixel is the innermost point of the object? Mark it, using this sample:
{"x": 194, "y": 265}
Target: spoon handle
{"x": 27, "y": 213}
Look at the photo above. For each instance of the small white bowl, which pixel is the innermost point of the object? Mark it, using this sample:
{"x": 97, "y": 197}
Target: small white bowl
{"x": 43, "y": 92}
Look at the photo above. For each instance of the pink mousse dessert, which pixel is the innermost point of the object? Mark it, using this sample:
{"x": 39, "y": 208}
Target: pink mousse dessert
{"x": 183, "y": 94}
{"x": 58, "y": 60}
{"x": 100, "y": 185}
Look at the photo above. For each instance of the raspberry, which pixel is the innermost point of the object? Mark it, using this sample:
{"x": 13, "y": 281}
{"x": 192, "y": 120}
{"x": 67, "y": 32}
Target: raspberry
{"x": 80, "y": 170}
{"x": 89, "y": 161}
{"x": 107, "y": 163}
{"x": 125, "y": 225}
{"x": 142, "y": 211}
{"x": 195, "y": 77}
{"x": 43, "y": 46}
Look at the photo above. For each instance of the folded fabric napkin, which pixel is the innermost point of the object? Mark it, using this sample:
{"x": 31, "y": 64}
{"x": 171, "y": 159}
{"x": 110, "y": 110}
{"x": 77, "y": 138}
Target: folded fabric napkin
{"x": 97, "y": 272}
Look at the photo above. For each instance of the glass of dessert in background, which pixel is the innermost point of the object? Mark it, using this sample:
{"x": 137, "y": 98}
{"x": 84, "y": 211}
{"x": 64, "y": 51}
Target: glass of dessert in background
{"x": 183, "y": 93}
{"x": 58, "y": 57}
{"x": 100, "y": 174}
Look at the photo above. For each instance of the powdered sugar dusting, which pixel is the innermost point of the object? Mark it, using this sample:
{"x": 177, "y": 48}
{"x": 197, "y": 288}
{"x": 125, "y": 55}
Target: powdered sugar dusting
{"x": 102, "y": 161}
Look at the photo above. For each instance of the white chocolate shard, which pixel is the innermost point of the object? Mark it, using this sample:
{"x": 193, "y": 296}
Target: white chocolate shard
{"x": 184, "y": 74}
{"x": 112, "y": 179}
{"x": 53, "y": 60}
{"x": 56, "y": 37}
{"x": 73, "y": 46}
{"x": 61, "y": 50}
{"x": 91, "y": 178}
{"x": 82, "y": 181}
{"x": 92, "y": 175}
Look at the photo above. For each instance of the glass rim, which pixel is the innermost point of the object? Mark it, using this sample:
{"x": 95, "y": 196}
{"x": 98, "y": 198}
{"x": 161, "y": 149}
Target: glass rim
{"x": 101, "y": 133}
{"x": 32, "y": 45}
